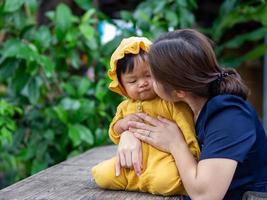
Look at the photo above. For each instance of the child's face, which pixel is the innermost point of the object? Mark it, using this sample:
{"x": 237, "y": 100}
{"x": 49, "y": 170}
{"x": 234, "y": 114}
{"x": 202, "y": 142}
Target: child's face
{"x": 138, "y": 83}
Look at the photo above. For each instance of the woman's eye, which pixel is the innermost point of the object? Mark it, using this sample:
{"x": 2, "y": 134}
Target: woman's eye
{"x": 148, "y": 75}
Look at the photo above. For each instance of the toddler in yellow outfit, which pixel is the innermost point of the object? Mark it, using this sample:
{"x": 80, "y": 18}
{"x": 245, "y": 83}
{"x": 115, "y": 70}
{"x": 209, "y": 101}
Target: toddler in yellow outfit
{"x": 131, "y": 78}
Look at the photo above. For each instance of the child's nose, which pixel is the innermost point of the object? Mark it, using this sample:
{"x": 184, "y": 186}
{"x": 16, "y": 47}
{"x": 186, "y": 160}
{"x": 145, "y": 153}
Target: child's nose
{"x": 143, "y": 83}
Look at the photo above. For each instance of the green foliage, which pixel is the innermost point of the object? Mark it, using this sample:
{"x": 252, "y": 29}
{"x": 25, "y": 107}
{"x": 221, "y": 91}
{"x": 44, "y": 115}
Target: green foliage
{"x": 153, "y": 18}
{"x": 55, "y": 101}
{"x": 7, "y": 128}
{"x": 235, "y": 13}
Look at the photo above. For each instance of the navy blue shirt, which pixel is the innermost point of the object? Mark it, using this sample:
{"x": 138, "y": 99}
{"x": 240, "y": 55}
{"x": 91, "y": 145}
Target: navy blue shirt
{"x": 228, "y": 127}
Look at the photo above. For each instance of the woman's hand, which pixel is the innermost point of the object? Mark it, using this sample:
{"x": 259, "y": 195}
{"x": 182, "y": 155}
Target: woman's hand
{"x": 129, "y": 153}
{"x": 160, "y": 133}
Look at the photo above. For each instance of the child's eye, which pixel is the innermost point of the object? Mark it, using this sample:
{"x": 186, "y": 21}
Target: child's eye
{"x": 132, "y": 81}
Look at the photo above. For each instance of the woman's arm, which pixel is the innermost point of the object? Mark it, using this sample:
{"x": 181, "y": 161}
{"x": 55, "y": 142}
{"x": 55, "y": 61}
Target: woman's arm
{"x": 207, "y": 179}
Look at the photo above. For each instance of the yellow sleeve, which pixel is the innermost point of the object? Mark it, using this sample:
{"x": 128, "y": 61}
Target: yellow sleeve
{"x": 115, "y": 137}
{"x": 183, "y": 116}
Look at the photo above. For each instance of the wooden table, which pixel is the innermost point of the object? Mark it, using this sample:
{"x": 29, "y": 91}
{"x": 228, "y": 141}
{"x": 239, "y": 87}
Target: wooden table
{"x": 71, "y": 180}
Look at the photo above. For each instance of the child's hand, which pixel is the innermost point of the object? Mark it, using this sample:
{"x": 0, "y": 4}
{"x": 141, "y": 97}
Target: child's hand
{"x": 129, "y": 154}
{"x": 122, "y": 125}
{"x": 131, "y": 117}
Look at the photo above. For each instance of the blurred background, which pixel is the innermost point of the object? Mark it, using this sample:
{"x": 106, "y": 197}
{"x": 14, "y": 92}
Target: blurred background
{"x": 54, "y": 54}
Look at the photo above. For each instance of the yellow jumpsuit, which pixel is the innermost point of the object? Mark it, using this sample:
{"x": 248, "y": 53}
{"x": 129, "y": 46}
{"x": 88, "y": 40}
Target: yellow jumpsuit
{"x": 159, "y": 175}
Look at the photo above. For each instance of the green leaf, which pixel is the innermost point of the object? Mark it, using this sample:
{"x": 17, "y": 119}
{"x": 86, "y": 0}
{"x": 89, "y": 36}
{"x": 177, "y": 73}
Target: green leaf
{"x": 47, "y": 65}
{"x": 43, "y": 37}
{"x": 100, "y": 91}
{"x": 87, "y": 31}
{"x": 32, "y": 90}
{"x": 38, "y": 165}
{"x": 100, "y": 135}
{"x": 13, "y": 5}
{"x": 63, "y": 20}
{"x": 172, "y": 18}
{"x": 69, "y": 89}
{"x": 11, "y": 125}
{"x": 74, "y": 135}
{"x": 251, "y": 36}
{"x": 83, "y": 86}
{"x": 127, "y": 16}
{"x": 85, "y": 134}
{"x": 159, "y": 6}
{"x": 49, "y": 135}
{"x": 18, "y": 49}
{"x": 6, "y": 136}
{"x": 19, "y": 80}
{"x": 70, "y": 104}
{"x": 73, "y": 153}
{"x": 252, "y": 55}
{"x": 8, "y": 68}
{"x": 87, "y": 17}
{"x": 62, "y": 114}
{"x": 241, "y": 14}
{"x": 84, "y": 4}
{"x": 26, "y": 153}
{"x": 256, "y": 53}
{"x": 75, "y": 59}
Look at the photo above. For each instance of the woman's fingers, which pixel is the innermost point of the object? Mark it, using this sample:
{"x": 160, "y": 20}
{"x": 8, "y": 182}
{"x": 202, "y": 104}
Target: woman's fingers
{"x": 164, "y": 120}
{"x": 137, "y": 118}
{"x": 144, "y": 138}
{"x": 150, "y": 120}
{"x": 141, "y": 132}
{"x": 140, "y": 125}
{"x": 117, "y": 166}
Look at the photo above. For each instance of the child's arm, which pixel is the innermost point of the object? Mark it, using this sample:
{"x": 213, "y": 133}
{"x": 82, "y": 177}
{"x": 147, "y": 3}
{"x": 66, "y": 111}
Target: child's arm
{"x": 122, "y": 125}
{"x": 119, "y": 123}
{"x": 113, "y": 134}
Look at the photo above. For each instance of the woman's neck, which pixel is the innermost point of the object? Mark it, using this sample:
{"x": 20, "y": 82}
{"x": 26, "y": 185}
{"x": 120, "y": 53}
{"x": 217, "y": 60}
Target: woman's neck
{"x": 196, "y": 104}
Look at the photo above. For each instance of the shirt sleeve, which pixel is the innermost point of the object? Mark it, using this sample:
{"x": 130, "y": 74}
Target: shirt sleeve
{"x": 229, "y": 133}
{"x": 115, "y": 137}
{"x": 183, "y": 116}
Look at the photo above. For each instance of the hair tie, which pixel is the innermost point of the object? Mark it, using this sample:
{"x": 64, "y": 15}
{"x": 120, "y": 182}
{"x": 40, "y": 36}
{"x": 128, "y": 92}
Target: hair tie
{"x": 221, "y": 76}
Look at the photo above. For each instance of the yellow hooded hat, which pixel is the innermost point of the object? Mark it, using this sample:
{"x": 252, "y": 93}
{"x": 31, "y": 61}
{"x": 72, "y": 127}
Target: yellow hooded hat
{"x": 129, "y": 45}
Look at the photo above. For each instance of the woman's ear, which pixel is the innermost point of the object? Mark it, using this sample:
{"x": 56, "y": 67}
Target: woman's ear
{"x": 180, "y": 94}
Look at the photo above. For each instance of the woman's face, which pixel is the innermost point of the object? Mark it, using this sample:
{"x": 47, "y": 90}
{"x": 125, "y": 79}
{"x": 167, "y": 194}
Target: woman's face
{"x": 163, "y": 93}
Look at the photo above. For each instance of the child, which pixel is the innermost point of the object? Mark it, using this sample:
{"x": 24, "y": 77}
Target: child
{"x": 131, "y": 78}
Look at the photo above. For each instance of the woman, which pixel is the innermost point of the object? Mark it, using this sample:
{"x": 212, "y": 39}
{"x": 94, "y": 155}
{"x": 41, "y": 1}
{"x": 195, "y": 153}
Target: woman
{"x": 233, "y": 142}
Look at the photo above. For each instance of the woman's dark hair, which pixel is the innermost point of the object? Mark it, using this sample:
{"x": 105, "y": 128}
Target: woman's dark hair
{"x": 127, "y": 63}
{"x": 185, "y": 60}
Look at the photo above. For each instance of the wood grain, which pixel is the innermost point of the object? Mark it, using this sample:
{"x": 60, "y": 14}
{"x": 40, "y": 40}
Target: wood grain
{"x": 71, "y": 180}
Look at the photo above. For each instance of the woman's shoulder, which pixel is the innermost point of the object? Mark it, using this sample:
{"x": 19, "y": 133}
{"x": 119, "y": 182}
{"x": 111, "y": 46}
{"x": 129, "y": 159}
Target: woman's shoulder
{"x": 227, "y": 109}
{"x": 231, "y": 102}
